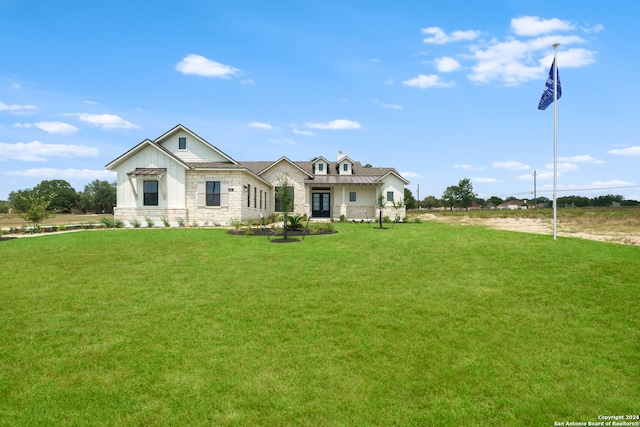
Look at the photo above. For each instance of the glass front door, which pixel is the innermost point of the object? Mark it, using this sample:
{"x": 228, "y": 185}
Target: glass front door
{"x": 320, "y": 205}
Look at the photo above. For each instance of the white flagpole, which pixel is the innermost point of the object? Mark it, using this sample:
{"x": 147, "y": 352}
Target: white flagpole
{"x": 555, "y": 139}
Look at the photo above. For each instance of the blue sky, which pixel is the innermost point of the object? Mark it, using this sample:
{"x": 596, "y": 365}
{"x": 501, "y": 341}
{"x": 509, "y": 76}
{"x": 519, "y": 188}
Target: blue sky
{"x": 439, "y": 90}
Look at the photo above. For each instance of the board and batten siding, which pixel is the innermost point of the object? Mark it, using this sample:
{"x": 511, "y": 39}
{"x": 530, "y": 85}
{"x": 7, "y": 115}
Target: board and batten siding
{"x": 196, "y": 151}
{"x": 171, "y": 184}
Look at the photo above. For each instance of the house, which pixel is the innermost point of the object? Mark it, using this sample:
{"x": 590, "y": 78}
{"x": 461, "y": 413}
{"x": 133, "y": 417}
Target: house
{"x": 181, "y": 177}
{"x": 513, "y": 205}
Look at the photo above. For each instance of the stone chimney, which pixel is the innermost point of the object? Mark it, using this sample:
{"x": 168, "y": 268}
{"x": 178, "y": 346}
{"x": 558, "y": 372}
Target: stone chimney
{"x": 340, "y": 156}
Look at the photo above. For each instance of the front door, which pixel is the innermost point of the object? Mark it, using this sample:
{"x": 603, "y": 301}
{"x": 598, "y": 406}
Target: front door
{"x": 320, "y": 205}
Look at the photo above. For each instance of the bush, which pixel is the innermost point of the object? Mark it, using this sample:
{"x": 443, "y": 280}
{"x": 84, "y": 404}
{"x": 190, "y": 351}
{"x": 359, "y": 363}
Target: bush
{"x": 165, "y": 221}
{"x": 295, "y": 222}
{"x": 236, "y": 224}
{"x": 135, "y": 223}
{"x": 181, "y": 222}
{"x": 149, "y": 221}
{"x": 343, "y": 218}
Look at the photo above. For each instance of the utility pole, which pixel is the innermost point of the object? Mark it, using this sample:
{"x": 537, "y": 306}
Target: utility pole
{"x": 535, "y": 174}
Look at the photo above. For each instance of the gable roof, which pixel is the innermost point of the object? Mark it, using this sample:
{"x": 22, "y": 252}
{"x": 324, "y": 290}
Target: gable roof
{"x": 144, "y": 144}
{"x": 180, "y": 127}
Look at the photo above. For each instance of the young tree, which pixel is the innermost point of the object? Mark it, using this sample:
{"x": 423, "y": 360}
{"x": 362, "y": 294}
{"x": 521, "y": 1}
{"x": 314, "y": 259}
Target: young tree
{"x": 284, "y": 201}
{"x": 381, "y": 204}
{"x": 35, "y": 208}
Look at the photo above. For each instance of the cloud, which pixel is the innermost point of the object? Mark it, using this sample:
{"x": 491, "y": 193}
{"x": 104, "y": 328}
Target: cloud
{"x": 15, "y": 108}
{"x": 59, "y": 128}
{"x": 468, "y": 167}
{"x": 201, "y": 66}
{"x": 389, "y": 106}
{"x": 37, "y": 152}
{"x": 563, "y": 167}
{"x": 629, "y": 151}
{"x": 303, "y": 132}
{"x": 612, "y": 183}
{"x": 534, "y": 26}
{"x": 105, "y": 121}
{"x": 284, "y": 141}
{"x": 446, "y": 64}
{"x": 510, "y": 165}
{"x": 485, "y": 180}
{"x": 585, "y": 158}
{"x": 427, "y": 81}
{"x": 66, "y": 174}
{"x": 438, "y": 36}
{"x": 339, "y": 124}
{"x": 16, "y": 86}
{"x": 410, "y": 175}
{"x": 248, "y": 82}
{"x": 262, "y": 126}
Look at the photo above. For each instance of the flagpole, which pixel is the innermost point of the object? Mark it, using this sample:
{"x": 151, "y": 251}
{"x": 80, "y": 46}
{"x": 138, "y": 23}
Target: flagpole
{"x": 555, "y": 139}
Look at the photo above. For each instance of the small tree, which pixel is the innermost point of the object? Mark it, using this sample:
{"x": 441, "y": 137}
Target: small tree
{"x": 381, "y": 204}
{"x": 35, "y": 208}
{"x": 284, "y": 198}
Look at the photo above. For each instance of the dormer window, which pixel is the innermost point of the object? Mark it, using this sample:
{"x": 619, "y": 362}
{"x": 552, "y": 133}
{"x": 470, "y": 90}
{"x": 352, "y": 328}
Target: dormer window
{"x": 345, "y": 167}
{"x": 320, "y": 167}
{"x": 182, "y": 143}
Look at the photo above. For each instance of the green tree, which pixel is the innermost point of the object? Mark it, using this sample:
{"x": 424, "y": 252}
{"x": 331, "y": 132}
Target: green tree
{"x": 35, "y": 208}
{"x": 429, "y": 202}
{"x": 17, "y": 199}
{"x": 63, "y": 197}
{"x": 284, "y": 201}
{"x": 409, "y": 200}
{"x": 464, "y": 193}
{"x": 381, "y": 204}
{"x": 449, "y": 197}
{"x": 98, "y": 196}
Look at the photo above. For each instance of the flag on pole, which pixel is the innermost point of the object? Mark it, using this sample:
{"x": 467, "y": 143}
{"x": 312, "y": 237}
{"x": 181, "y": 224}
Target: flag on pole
{"x": 547, "y": 95}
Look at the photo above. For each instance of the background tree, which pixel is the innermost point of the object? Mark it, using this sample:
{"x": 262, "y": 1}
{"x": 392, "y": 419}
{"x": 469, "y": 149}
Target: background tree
{"x": 63, "y": 197}
{"x": 430, "y": 202}
{"x": 17, "y": 199}
{"x": 98, "y": 196}
{"x": 409, "y": 200}
{"x": 464, "y": 193}
{"x": 449, "y": 197}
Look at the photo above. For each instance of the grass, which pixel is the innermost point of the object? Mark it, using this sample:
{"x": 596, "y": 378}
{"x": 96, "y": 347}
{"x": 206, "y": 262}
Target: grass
{"x": 422, "y": 324}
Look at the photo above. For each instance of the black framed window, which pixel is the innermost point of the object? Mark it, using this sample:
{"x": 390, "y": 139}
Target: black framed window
{"x": 352, "y": 196}
{"x": 320, "y": 167}
{"x": 389, "y": 196}
{"x": 345, "y": 167}
{"x": 213, "y": 193}
{"x": 249, "y": 195}
{"x": 150, "y": 193}
{"x": 182, "y": 143}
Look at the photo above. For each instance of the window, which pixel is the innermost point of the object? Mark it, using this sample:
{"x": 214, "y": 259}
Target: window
{"x": 249, "y": 195}
{"x": 345, "y": 167}
{"x": 182, "y": 143}
{"x": 320, "y": 167}
{"x": 260, "y": 199}
{"x": 150, "y": 193}
{"x": 213, "y": 193}
{"x": 352, "y": 196}
{"x": 279, "y": 207}
{"x": 389, "y": 196}
{"x": 255, "y": 197}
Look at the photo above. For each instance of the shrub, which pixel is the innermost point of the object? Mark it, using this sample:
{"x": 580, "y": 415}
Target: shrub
{"x": 135, "y": 223}
{"x": 165, "y": 221}
{"x": 248, "y": 230}
{"x": 386, "y": 219}
{"x": 181, "y": 222}
{"x": 417, "y": 220}
{"x": 108, "y": 222}
{"x": 149, "y": 222}
{"x": 343, "y": 218}
{"x": 62, "y": 227}
{"x": 295, "y": 222}
{"x": 236, "y": 224}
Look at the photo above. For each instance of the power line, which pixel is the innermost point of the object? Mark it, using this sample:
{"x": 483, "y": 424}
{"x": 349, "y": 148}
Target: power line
{"x": 570, "y": 190}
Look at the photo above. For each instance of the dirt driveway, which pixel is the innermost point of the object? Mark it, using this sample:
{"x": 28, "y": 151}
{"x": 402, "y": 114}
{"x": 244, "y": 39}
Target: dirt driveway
{"x": 540, "y": 226}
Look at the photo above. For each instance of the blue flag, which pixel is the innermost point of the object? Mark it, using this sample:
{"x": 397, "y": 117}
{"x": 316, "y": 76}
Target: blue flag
{"x": 547, "y": 95}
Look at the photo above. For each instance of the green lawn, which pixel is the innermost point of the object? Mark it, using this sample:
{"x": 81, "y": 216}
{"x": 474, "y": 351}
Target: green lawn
{"x": 424, "y": 324}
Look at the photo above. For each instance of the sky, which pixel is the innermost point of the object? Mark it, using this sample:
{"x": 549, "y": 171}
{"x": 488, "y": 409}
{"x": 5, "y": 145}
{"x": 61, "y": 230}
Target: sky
{"x": 441, "y": 91}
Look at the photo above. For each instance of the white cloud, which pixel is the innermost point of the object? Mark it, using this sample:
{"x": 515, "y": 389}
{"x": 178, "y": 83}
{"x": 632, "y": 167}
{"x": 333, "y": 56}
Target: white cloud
{"x": 485, "y": 180}
{"x": 612, "y": 183}
{"x": 510, "y": 165}
{"x": 106, "y": 121}
{"x": 446, "y": 64}
{"x": 15, "y": 108}
{"x": 303, "y": 132}
{"x": 563, "y": 167}
{"x": 389, "y": 106}
{"x": 427, "y": 81}
{"x": 66, "y": 174}
{"x": 36, "y": 151}
{"x": 410, "y": 175}
{"x": 585, "y": 158}
{"x": 262, "y": 126}
{"x": 59, "y": 128}
{"x": 339, "y": 124}
{"x": 629, "y": 151}
{"x": 534, "y": 26}
{"x": 284, "y": 141}
{"x": 467, "y": 167}
{"x": 16, "y": 86}
{"x": 201, "y": 66}
{"x": 249, "y": 82}
{"x": 438, "y": 36}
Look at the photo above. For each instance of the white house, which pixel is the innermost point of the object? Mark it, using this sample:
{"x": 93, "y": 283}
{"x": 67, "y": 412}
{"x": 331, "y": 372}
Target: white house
{"x": 180, "y": 176}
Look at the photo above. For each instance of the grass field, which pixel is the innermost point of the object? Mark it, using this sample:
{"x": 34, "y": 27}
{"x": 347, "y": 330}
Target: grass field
{"x": 424, "y": 324}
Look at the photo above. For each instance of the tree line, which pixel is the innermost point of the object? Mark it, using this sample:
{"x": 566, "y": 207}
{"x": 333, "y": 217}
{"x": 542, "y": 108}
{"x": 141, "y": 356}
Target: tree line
{"x": 462, "y": 196}
{"x": 60, "y": 197}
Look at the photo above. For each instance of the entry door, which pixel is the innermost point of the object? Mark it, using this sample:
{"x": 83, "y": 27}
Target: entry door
{"x": 320, "y": 206}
